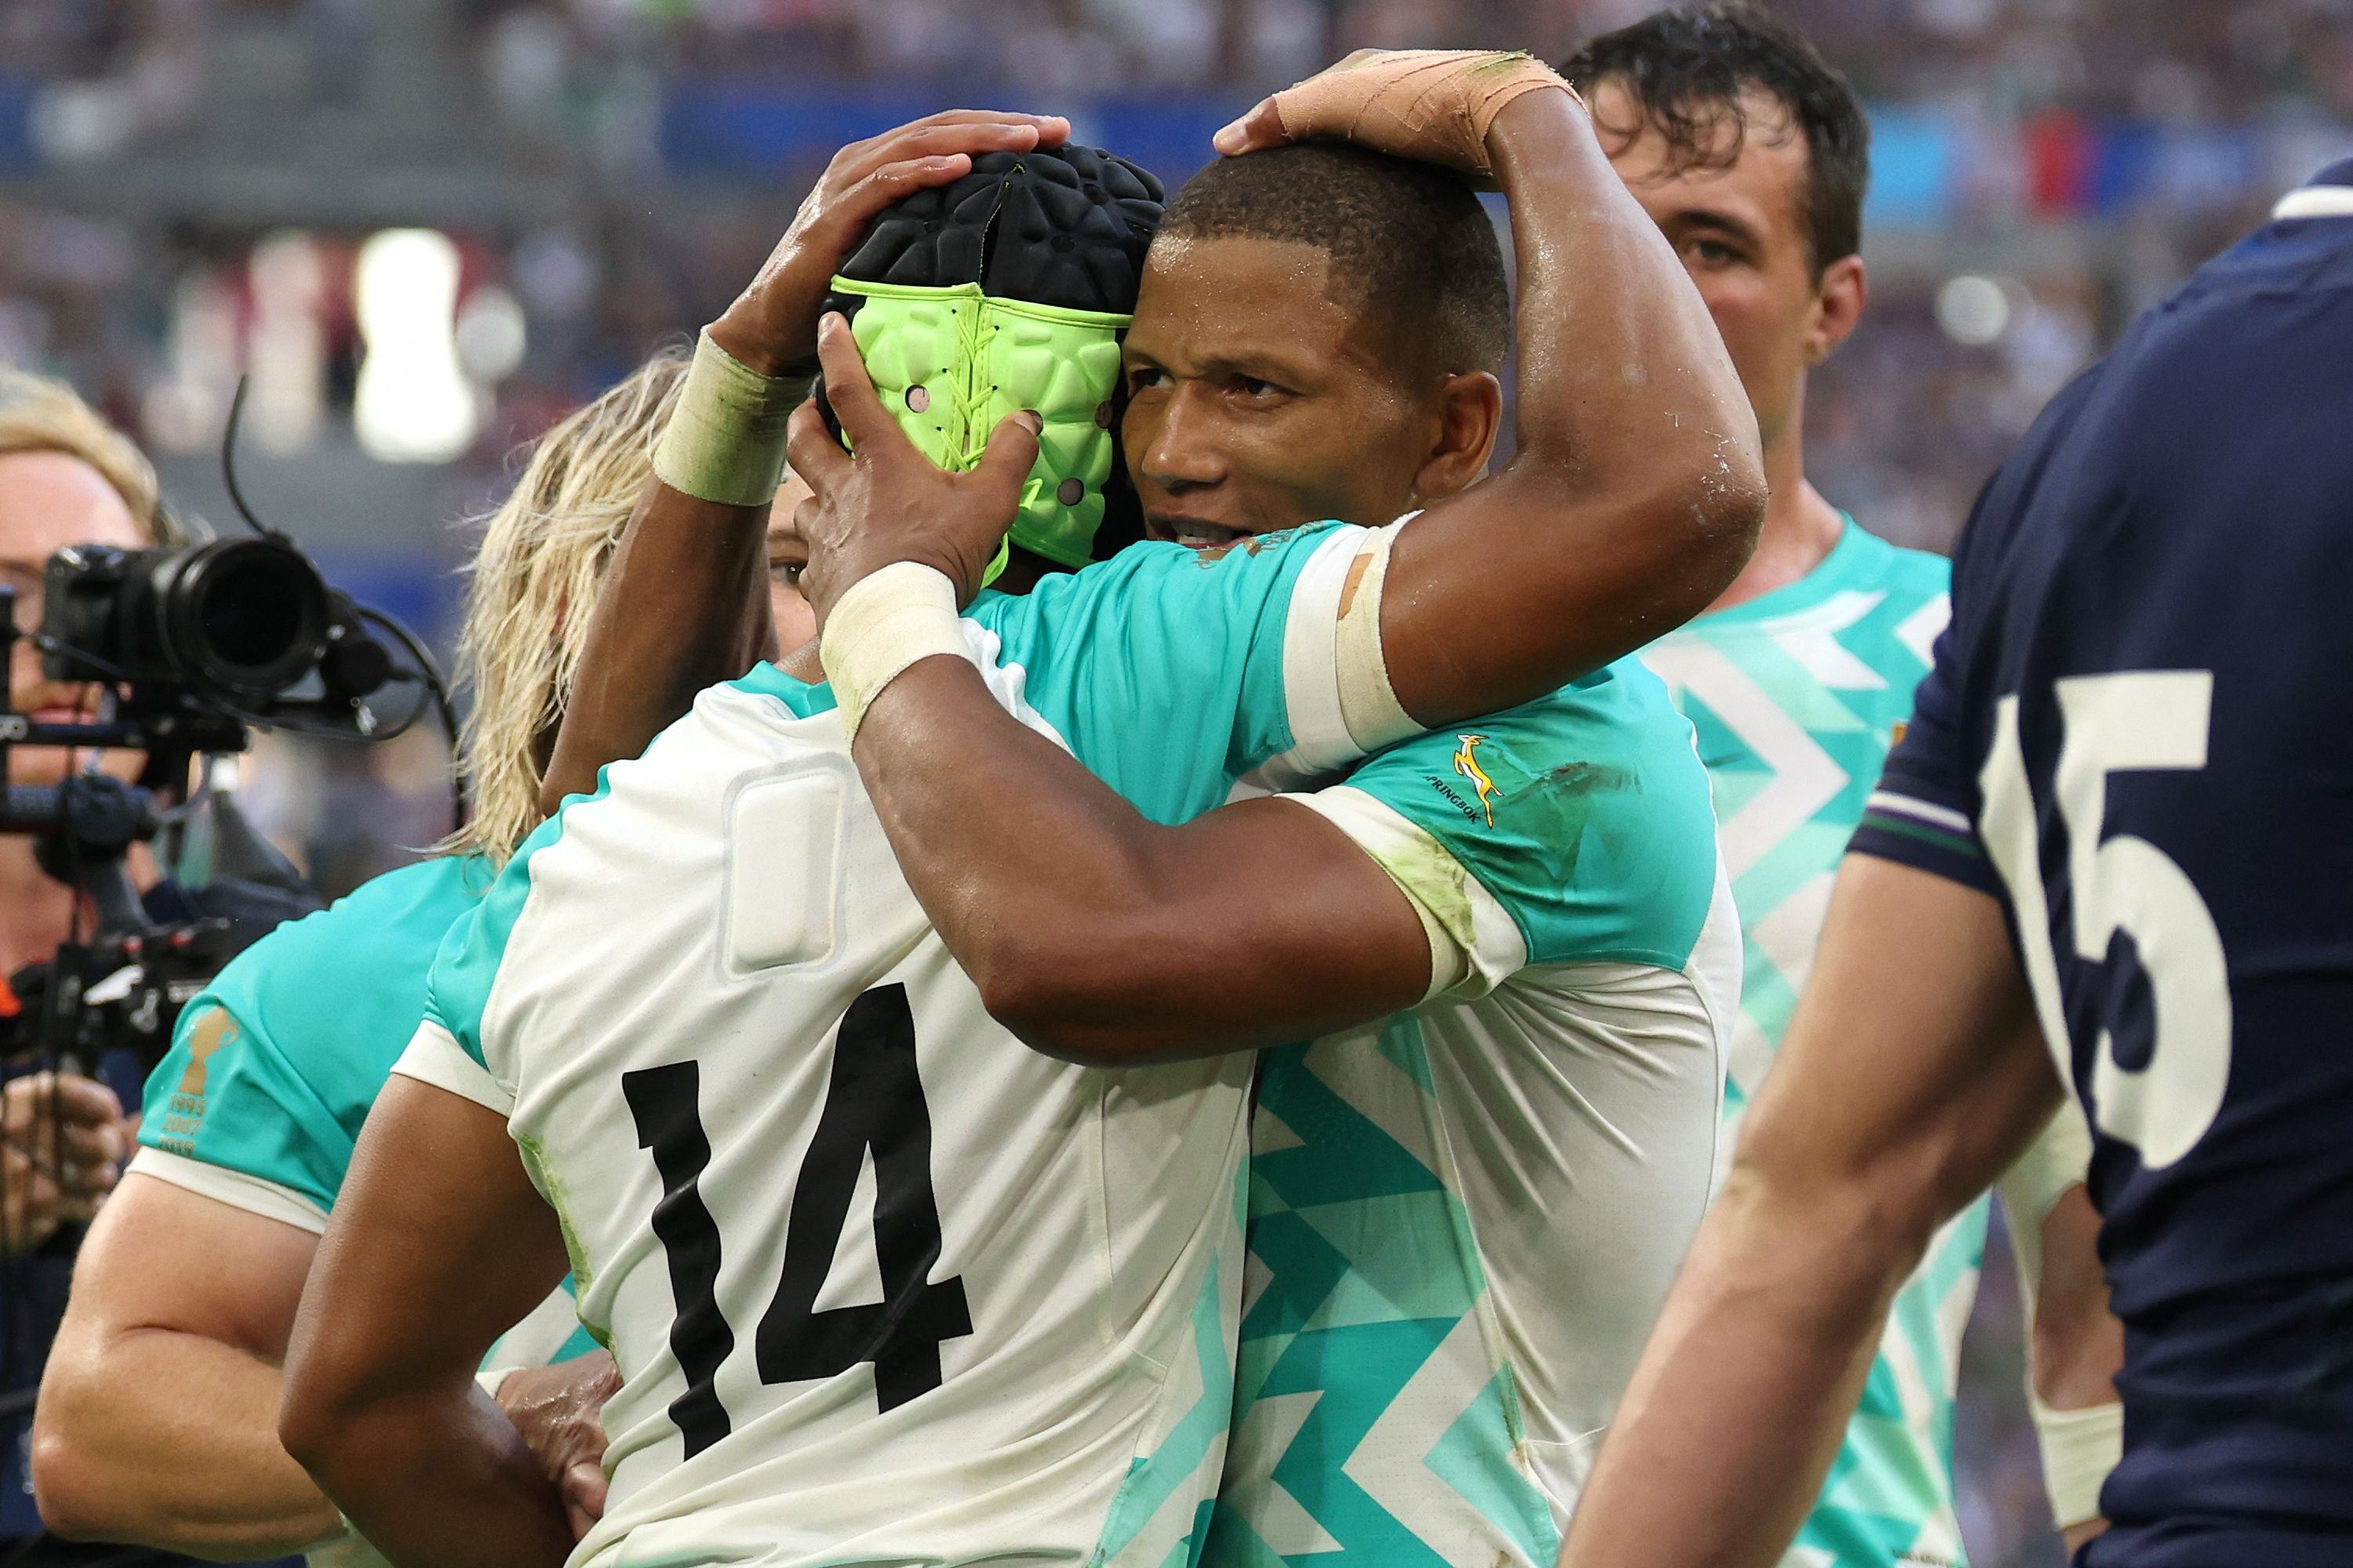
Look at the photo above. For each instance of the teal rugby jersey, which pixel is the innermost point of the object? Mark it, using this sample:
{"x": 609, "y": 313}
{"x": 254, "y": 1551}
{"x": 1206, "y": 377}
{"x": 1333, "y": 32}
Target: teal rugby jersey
{"x": 1797, "y": 697}
{"x": 1463, "y": 1221}
{"x": 883, "y": 1284}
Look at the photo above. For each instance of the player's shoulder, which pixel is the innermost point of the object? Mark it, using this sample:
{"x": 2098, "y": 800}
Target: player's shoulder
{"x": 311, "y": 1017}
{"x": 344, "y": 959}
{"x": 1585, "y": 815}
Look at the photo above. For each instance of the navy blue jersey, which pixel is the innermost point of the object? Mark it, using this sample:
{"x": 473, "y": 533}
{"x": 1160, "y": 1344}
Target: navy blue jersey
{"x": 2139, "y": 735}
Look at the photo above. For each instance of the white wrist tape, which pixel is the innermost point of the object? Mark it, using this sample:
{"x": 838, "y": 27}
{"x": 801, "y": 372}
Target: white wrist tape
{"x": 883, "y": 624}
{"x": 489, "y": 1382}
{"x": 725, "y": 438}
{"x": 1369, "y": 704}
{"x": 2079, "y": 1448}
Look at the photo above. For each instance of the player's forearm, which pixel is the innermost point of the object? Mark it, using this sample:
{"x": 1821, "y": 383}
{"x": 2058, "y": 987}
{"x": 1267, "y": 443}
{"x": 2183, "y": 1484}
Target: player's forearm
{"x": 1008, "y": 848}
{"x": 1638, "y": 485}
{"x": 156, "y": 1438}
{"x": 684, "y": 606}
{"x": 434, "y": 1477}
{"x": 1735, "y": 1411}
{"x": 1099, "y": 936}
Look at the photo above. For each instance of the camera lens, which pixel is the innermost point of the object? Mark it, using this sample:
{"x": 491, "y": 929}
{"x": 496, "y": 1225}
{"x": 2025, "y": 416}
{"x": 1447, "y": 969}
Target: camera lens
{"x": 247, "y": 615}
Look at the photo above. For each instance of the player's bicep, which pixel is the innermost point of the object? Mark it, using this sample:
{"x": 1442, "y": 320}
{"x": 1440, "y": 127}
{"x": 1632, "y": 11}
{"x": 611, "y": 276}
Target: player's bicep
{"x": 439, "y": 1242}
{"x": 160, "y": 1257}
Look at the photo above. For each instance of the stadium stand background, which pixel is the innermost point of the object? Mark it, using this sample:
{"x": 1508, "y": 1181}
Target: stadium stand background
{"x": 190, "y": 188}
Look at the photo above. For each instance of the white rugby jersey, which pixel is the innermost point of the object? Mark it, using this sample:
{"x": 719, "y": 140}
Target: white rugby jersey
{"x": 1462, "y": 1220}
{"x": 883, "y": 1284}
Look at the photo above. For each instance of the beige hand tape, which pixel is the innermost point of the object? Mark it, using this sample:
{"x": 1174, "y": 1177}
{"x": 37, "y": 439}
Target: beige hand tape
{"x": 1434, "y": 105}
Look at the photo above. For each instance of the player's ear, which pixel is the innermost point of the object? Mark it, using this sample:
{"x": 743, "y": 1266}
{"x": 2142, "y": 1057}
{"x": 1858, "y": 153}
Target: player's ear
{"x": 1470, "y": 417}
{"x": 1839, "y": 299}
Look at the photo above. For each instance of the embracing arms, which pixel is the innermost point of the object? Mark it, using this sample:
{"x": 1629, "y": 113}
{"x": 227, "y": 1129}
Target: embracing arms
{"x": 1095, "y": 934}
{"x": 1638, "y": 487}
{"x": 684, "y": 605}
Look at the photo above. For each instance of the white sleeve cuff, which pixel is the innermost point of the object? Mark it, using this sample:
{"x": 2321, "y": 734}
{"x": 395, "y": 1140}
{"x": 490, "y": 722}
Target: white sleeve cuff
{"x": 1475, "y": 946}
{"x": 435, "y": 1056}
{"x": 1313, "y": 664}
{"x": 254, "y": 1194}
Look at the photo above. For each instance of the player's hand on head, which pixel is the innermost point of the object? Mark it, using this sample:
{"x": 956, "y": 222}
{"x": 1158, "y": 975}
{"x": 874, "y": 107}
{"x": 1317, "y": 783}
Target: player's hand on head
{"x": 883, "y": 501}
{"x": 559, "y": 1411}
{"x": 1434, "y": 106}
{"x": 772, "y": 325}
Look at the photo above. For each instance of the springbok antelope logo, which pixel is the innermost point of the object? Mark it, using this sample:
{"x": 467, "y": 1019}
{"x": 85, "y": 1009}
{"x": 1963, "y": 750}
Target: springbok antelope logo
{"x": 1468, "y": 766}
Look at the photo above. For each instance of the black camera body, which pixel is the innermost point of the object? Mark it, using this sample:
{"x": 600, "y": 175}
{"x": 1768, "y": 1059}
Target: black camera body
{"x": 195, "y": 646}
{"x": 235, "y": 622}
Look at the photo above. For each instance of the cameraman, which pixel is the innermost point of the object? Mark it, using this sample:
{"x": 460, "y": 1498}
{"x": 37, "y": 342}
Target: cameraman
{"x": 66, "y": 478}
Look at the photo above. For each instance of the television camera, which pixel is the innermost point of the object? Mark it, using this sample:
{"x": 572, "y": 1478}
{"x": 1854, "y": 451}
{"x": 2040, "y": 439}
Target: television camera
{"x": 194, "y": 647}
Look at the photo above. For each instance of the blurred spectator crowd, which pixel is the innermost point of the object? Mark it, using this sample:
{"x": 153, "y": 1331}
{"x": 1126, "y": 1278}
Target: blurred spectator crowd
{"x": 664, "y": 142}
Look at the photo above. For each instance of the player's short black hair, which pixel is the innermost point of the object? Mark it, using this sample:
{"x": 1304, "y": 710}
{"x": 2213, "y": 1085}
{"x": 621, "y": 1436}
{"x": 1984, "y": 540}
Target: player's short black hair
{"x": 1410, "y": 241}
{"x": 1687, "y": 68}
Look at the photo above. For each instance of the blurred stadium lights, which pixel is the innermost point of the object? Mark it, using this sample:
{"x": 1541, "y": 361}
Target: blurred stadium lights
{"x": 413, "y": 403}
{"x": 285, "y": 350}
{"x": 1973, "y": 309}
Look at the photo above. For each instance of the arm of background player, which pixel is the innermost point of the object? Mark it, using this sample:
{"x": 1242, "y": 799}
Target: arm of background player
{"x": 1637, "y": 487}
{"x": 157, "y": 1423}
{"x": 685, "y": 600}
{"x": 1256, "y": 924}
{"x": 2075, "y": 1344}
{"x": 685, "y": 605}
{"x": 1914, "y": 1075}
{"x": 438, "y": 1241}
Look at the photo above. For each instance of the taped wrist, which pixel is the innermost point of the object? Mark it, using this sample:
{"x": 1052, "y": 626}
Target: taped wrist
{"x": 725, "y": 440}
{"x": 2079, "y": 1448}
{"x": 886, "y": 622}
{"x": 2059, "y": 1159}
{"x": 1369, "y": 704}
{"x": 1431, "y": 104}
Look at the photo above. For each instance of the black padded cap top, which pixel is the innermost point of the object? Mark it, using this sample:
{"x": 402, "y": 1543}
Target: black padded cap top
{"x": 1059, "y": 225}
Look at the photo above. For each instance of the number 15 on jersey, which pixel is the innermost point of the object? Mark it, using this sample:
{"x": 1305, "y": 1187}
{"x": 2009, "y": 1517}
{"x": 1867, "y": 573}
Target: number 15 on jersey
{"x": 2131, "y": 903}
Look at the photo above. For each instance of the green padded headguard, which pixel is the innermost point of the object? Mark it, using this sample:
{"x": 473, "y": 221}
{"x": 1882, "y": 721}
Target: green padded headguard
{"x": 1004, "y": 291}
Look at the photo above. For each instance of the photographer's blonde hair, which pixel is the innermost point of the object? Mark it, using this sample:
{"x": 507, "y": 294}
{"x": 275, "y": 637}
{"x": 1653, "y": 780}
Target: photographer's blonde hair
{"x": 38, "y": 413}
{"x": 536, "y": 578}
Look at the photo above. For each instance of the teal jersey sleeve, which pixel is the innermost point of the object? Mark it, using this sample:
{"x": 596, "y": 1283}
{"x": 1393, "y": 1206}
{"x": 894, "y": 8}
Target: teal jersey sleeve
{"x": 1170, "y": 674}
{"x": 1583, "y": 816}
{"x": 457, "y": 987}
{"x": 274, "y": 1065}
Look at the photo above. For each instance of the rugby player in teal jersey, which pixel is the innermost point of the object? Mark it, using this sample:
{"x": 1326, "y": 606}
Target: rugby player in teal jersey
{"x": 157, "y": 1418}
{"x": 1750, "y": 153}
{"x": 1495, "y": 593}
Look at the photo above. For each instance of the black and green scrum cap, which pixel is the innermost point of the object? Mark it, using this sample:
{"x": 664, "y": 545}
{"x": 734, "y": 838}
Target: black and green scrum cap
{"x": 1008, "y": 289}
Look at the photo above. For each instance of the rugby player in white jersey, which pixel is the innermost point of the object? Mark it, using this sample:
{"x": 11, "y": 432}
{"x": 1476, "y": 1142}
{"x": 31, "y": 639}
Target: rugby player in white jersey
{"x": 651, "y": 1017}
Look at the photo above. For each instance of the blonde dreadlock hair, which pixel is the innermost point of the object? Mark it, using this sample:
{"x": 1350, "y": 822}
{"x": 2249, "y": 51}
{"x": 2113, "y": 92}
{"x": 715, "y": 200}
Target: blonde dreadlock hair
{"x": 536, "y": 578}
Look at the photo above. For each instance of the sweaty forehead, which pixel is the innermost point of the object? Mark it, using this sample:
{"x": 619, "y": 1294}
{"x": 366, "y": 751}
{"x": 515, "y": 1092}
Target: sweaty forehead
{"x": 1231, "y": 298}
